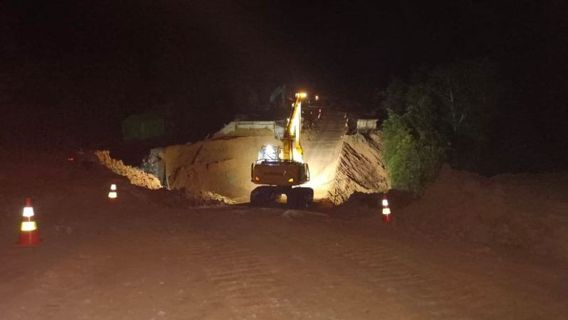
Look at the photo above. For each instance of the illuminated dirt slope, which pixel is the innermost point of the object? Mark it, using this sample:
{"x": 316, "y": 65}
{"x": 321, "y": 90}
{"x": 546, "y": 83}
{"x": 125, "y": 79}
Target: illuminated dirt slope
{"x": 322, "y": 147}
{"x": 360, "y": 168}
{"x": 215, "y": 169}
{"x": 343, "y": 164}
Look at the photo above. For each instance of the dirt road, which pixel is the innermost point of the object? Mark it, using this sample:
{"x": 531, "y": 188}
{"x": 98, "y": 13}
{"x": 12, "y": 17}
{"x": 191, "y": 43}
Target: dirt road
{"x": 145, "y": 257}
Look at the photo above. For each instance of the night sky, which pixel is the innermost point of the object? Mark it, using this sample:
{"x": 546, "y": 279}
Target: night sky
{"x": 68, "y": 66}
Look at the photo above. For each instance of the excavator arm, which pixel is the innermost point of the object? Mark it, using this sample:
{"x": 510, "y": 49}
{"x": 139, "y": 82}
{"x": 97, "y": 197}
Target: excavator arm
{"x": 291, "y": 147}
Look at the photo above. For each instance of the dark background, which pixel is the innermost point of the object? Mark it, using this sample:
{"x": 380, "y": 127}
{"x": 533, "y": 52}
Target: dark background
{"x": 71, "y": 71}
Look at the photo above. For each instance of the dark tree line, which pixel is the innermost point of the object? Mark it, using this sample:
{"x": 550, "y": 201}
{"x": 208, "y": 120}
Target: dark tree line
{"x": 467, "y": 114}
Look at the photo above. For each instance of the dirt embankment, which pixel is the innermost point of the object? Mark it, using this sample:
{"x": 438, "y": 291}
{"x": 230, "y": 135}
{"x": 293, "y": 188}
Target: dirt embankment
{"x": 524, "y": 211}
{"x": 216, "y": 169}
{"x": 136, "y": 176}
{"x": 360, "y": 168}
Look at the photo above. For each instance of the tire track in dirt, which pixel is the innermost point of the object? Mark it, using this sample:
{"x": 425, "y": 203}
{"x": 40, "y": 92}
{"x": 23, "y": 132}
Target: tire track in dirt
{"x": 386, "y": 268}
{"x": 414, "y": 285}
{"x": 45, "y": 293}
{"x": 242, "y": 281}
{"x": 431, "y": 290}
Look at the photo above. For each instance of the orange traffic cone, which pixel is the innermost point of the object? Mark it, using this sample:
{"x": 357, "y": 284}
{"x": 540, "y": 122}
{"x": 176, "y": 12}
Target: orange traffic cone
{"x": 386, "y": 210}
{"x": 29, "y": 234}
{"x": 113, "y": 193}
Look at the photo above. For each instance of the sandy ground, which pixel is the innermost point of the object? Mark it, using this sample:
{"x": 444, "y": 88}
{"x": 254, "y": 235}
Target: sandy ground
{"x": 149, "y": 256}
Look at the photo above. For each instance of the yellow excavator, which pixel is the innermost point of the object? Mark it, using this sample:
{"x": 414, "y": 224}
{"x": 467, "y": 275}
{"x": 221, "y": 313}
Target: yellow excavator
{"x": 281, "y": 169}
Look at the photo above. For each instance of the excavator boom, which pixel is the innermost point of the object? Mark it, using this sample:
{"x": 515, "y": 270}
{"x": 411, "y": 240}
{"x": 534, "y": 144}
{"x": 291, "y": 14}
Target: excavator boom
{"x": 292, "y": 149}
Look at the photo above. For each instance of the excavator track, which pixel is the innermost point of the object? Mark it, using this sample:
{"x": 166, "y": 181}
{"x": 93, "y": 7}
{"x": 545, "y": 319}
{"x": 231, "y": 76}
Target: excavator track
{"x": 265, "y": 196}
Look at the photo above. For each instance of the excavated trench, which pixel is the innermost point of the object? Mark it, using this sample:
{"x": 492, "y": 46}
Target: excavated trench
{"x": 218, "y": 169}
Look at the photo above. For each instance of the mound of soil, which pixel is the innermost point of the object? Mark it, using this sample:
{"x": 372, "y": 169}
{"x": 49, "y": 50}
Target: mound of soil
{"x": 136, "y": 176}
{"x": 525, "y": 211}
